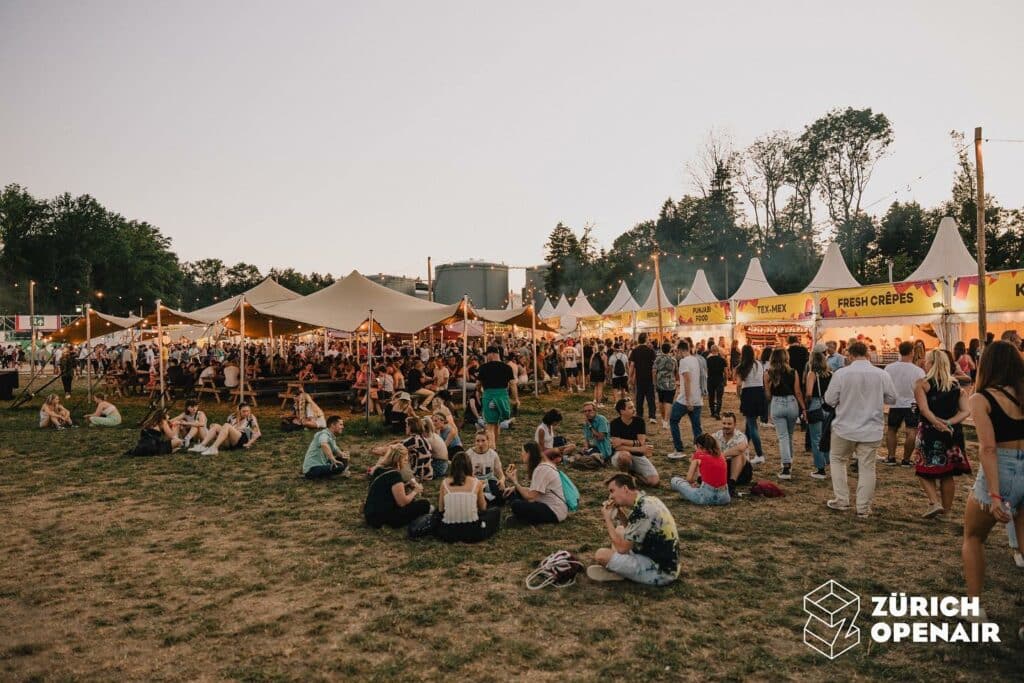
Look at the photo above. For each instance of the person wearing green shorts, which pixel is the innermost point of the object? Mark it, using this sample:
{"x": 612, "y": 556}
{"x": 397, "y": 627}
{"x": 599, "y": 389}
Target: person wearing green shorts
{"x": 106, "y": 413}
{"x": 497, "y": 382}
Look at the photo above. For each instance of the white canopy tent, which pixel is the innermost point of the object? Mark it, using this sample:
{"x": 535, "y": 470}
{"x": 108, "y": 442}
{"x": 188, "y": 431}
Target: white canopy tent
{"x": 651, "y": 302}
{"x": 623, "y": 302}
{"x": 581, "y": 307}
{"x": 546, "y": 310}
{"x": 947, "y": 257}
{"x": 755, "y": 284}
{"x": 700, "y": 291}
{"x": 833, "y": 272}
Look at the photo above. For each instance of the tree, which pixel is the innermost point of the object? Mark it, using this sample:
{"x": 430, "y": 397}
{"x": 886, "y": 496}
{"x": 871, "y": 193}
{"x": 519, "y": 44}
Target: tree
{"x": 566, "y": 256}
{"x": 904, "y": 235}
{"x": 764, "y": 172}
{"x": 847, "y": 144}
{"x": 241, "y": 277}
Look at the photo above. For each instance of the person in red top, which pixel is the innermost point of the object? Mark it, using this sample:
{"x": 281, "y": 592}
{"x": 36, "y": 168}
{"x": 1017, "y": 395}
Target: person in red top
{"x": 714, "y": 475}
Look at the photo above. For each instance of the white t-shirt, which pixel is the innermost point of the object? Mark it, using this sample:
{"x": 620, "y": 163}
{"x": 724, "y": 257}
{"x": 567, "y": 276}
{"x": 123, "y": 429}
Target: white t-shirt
{"x": 438, "y": 449}
{"x": 755, "y": 378}
{"x": 231, "y": 375}
{"x": 548, "y": 483}
{"x": 484, "y": 464}
{"x": 618, "y": 355}
{"x": 569, "y": 356}
{"x": 547, "y": 435}
{"x": 689, "y": 367}
{"x": 904, "y": 375}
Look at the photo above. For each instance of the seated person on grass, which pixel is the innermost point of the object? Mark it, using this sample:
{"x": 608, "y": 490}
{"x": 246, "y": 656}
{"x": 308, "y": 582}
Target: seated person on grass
{"x": 445, "y": 428}
{"x": 487, "y": 468}
{"x": 106, "y": 413}
{"x": 646, "y": 549}
{"x": 396, "y": 412}
{"x": 544, "y": 501}
{"x": 733, "y": 444}
{"x": 462, "y": 506}
{"x": 714, "y": 474}
{"x": 52, "y": 415}
{"x": 597, "y": 450}
{"x": 191, "y": 424}
{"x": 390, "y": 500}
{"x": 438, "y": 448}
{"x": 554, "y": 447}
{"x": 629, "y": 442}
{"x": 417, "y": 449}
{"x": 307, "y": 413}
{"x": 323, "y": 457}
{"x": 160, "y": 430}
{"x": 241, "y": 430}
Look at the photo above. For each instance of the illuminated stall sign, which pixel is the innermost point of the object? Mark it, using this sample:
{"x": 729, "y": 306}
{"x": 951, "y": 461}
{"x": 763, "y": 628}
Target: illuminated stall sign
{"x": 775, "y": 309}
{"x": 714, "y": 313}
{"x": 1004, "y": 291}
{"x": 879, "y": 301}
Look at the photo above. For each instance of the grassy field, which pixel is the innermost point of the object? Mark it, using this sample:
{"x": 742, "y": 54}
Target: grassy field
{"x": 233, "y": 567}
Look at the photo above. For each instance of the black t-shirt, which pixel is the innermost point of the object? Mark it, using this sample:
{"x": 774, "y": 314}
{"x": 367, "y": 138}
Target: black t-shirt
{"x": 716, "y": 369}
{"x": 380, "y": 502}
{"x": 413, "y": 381}
{"x": 786, "y": 385}
{"x": 642, "y": 358}
{"x": 798, "y": 357}
{"x": 630, "y": 432}
{"x": 495, "y": 375}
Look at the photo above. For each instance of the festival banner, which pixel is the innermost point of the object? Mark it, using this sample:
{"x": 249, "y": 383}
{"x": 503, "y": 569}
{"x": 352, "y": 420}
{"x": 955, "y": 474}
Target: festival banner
{"x": 714, "y": 313}
{"x": 895, "y": 299}
{"x": 554, "y": 322}
{"x": 650, "y": 318}
{"x": 619, "y": 320}
{"x": 43, "y": 323}
{"x": 1004, "y": 291}
{"x": 776, "y": 308}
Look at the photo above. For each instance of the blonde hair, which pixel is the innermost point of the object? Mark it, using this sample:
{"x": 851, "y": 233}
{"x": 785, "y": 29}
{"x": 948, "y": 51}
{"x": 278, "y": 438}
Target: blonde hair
{"x": 393, "y": 457}
{"x": 52, "y": 400}
{"x": 428, "y": 425}
{"x": 939, "y": 373}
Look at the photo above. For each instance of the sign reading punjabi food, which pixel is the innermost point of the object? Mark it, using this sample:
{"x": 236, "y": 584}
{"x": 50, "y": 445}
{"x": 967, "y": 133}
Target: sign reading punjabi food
{"x": 775, "y": 308}
{"x": 1003, "y": 292}
{"x": 714, "y": 313}
{"x": 892, "y": 299}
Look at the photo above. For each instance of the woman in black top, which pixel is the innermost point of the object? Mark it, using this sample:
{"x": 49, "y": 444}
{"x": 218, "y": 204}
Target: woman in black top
{"x": 787, "y": 404}
{"x": 939, "y": 451}
{"x": 816, "y": 381}
{"x": 390, "y": 500}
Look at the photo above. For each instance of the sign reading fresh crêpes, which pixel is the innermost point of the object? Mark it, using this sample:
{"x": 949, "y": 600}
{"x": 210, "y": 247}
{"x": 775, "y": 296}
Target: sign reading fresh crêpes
{"x": 775, "y": 308}
{"x": 895, "y": 299}
{"x": 1003, "y": 292}
{"x": 714, "y": 313}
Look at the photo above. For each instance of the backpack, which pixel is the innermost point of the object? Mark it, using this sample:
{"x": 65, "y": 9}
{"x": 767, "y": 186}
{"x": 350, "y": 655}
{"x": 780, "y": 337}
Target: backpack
{"x": 572, "y": 494}
{"x": 620, "y": 367}
{"x": 559, "y": 569}
{"x": 767, "y": 489}
{"x": 150, "y": 443}
{"x": 595, "y": 363}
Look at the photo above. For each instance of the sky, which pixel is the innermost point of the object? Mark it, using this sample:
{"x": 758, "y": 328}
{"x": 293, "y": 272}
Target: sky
{"x": 333, "y": 136}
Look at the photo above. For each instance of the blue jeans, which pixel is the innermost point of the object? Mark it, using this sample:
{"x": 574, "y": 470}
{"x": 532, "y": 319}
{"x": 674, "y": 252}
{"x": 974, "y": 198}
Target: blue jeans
{"x": 700, "y": 495}
{"x": 785, "y": 411}
{"x": 678, "y": 410}
{"x": 814, "y": 429}
{"x": 753, "y": 435}
{"x": 439, "y": 467}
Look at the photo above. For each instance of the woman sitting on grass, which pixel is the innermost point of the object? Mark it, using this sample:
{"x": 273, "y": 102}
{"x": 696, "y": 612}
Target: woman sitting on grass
{"x": 554, "y": 447}
{"x": 714, "y": 474}
{"x": 307, "y": 413}
{"x": 396, "y": 412}
{"x": 544, "y": 501}
{"x": 487, "y": 468}
{"x": 446, "y": 428}
{"x": 389, "y": 499}
{"x": 240, "y": 431}
{"x": 158, "y": 430}
{"x": 192, "y": 423}
{"x": 52, "y": 415}
{"x": 106, "y": 413}
{"x": 438, "y": 448}
{"x": 463, "y": 509}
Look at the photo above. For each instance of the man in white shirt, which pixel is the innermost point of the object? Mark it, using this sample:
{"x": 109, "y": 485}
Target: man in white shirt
{"x": 858, "y": 392}
{"x": 689, "y": 399}
{"x": 734, "y": 446}
{"x": 570, "y": 361}
{"x": 232, "y": 375}
{"x": 904, "y": 376}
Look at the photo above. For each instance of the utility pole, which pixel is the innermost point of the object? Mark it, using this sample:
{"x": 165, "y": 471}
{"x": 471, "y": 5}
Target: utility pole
{"x": 32, "y": 323}
{"x": 980, "y": 168}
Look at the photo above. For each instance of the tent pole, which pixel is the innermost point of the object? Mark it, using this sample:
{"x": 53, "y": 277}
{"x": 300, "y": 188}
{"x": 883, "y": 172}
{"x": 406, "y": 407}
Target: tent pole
{"x": 465, "y": 348}
{"x": 241, "y": 386}
{"x": 533, "y": 339}
{"x": 160, "y": 348}
{"x": 88, "y": 348}
{"x": 369, "y": 364}
{"x": 270, "y": 330}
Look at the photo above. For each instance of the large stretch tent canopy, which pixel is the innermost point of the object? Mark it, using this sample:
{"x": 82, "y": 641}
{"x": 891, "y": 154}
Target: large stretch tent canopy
{"x": 520, "y": 317}
{"x": 266, "y": 293}
{"x": 99, "y": 325}
{"x": 833, "y": 272}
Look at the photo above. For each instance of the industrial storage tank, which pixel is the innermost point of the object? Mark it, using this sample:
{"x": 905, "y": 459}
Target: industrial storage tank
{"x": 399, "y": 283}
{"x": 535, "y": 286}
{"x": 485, "y": 283}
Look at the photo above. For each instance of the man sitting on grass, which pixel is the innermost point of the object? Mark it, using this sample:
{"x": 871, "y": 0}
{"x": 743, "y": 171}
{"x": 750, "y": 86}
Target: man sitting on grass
{"x": 646, "y": 550}
{"x": 323, "y": 457}
{"x": 629, "y": 442}
{"x": 733, "y": 445}
{"x": 597, "y": 439}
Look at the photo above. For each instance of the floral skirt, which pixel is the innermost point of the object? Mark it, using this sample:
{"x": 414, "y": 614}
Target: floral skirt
{"x": 938, "y": 455}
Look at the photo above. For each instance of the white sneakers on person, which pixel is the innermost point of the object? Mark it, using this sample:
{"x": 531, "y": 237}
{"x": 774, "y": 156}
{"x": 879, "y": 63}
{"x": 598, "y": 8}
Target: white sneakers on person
{"x": 676, "y": 455}
{"x": 757, "y": 460}
{"x": 934, "y": 511}
{"x": 1018, "y": 559}
{"x": 664, "y": 424}
{"x": 653, "y": 421}
{"x": 596, "y": 572}
{"x": 198, "y": 448}
{"x": 834, "y": 504}
{"x": 212, "y": 450}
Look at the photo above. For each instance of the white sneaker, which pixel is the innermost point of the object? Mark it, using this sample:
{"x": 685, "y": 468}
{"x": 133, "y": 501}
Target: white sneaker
{"x": 1018, "y": 559}
{"x": 834, "y": 504}
{"x": 653, "y": 421}
{"x": 198, "y": 448}
{"x": 757, "y": 460}
{"x": 596, "y": 572}
{"x": 664, "y": 424}
{"x": 212, "y": 450}
{"x": 676, "y": 455}
{"x": 187, "y": 443}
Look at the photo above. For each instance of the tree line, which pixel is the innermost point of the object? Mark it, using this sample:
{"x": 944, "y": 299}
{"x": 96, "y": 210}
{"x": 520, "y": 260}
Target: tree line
{"x": 781, "y": 199}
{"x": 79, "y": 252}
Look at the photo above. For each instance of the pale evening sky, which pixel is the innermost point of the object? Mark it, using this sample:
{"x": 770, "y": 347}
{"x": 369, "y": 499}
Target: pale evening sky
{"x": 337, "y": 135}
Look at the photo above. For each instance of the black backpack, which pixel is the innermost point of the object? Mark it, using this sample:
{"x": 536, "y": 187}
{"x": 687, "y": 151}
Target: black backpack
{"x": 150, "y": 443}
{"x": 620, "y": 367}
{"x": 595, "y": 363}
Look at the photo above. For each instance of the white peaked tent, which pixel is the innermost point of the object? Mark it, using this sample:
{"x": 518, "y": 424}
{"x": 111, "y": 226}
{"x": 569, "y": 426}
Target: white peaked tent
{"x": 700, "y": 291}
{"x": 651, "y": 302}
{"x": 547, "y": 310}
{"x": 623, "y": 302}
{"x": 947, "y": 256}
{"x": 266, "y": 293}
{"x": 832, "y": 273}
{"x": 581, "y": 307}
{"x": 562, "y": 308}
{"x": 755, "y": 284}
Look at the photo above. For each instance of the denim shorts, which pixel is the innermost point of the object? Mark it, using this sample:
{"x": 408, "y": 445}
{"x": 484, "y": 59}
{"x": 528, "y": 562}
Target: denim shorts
{"x": 1011, "y": 479}
{"x": 638, "y": 568}
{"x": 641, "y": 466}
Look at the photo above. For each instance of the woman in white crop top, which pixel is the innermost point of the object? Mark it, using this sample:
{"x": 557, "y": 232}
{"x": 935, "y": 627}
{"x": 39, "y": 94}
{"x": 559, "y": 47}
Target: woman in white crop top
{"x": 462, "y": 506}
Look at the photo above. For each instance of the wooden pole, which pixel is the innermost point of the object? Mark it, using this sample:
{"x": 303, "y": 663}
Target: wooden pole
{"x": 242, "y": 384}
{"x": 533, "y": 338}
{"x": 982, "y": 303}
{"x": 160, "y": 348}
{"x": 32, "y": 325}
{"x": 657, "y": 291}
{"x": 465, "y": 348}
{"x": 430, "y": 297}
{"x": 273, "y": 349}
{"x": 88, "y": 352}
{"x": 369, "y": 363}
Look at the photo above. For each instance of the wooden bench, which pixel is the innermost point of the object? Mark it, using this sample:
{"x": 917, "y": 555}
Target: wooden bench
{"x": 207, "y": 386}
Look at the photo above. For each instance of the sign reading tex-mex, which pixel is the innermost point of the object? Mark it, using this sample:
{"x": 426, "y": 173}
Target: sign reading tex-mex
{"x": 775, "y": 308}
{"x": 714, "y": 313}
{"x": 886, "y": 300}
{"x": 1004, "y": 291}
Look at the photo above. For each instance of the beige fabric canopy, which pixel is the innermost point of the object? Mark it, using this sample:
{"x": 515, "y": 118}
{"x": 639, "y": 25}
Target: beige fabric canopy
{"x": 651, "y": 302}
{"x": 521, "y": 317}
{"x": 100, "y": 325}
{"x": 267, "y": 292}
{"x": 947, "y": 257}
{"x": 623, "y": 301}
{"x": 581, "y": 307}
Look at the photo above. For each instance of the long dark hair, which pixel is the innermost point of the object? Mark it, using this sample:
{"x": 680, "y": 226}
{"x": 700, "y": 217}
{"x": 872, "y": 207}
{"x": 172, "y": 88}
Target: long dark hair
{"x": 1001, "y": 365}
{"x": 460, "y": 469}
{"x": 778, "y": 367}
{"x": 746, "y": 361}
{"x": 534, "y": 456}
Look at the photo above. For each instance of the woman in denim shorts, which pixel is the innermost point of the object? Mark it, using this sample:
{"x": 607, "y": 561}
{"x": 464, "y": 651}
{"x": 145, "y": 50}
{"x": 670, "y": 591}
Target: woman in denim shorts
{"x": 998, "y": 493}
